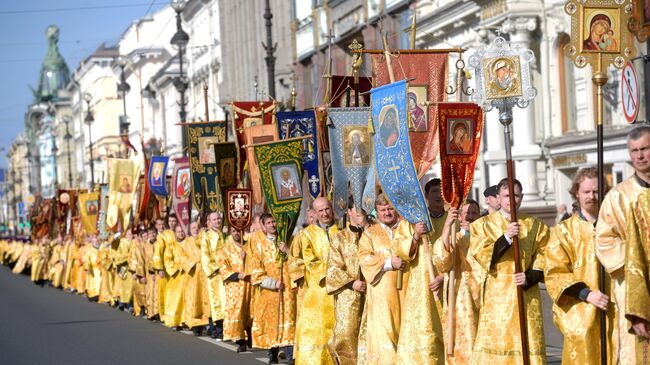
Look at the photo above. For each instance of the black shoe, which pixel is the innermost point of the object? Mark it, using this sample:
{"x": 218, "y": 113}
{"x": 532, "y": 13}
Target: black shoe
{"x": 273, "y": 356}
{"x": 196, "y": 331}
{"x": 242, "y": 346}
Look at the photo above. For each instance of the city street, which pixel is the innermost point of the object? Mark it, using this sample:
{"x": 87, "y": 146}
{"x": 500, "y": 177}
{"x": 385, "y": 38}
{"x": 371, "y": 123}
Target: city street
{"x": 48, "y": 326}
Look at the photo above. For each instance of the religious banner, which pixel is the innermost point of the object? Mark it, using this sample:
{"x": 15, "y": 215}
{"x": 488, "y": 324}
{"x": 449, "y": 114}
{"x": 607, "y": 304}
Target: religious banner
{"x": 393, "y": 159}
{"x": 66, "y": 209}
{"x": 123, "y": 176}
{"x": 182, "y": 188}
{"x": 103, "y": 209}
{"x": 42, "y": 216}
{"x": 280, "y": 165}
{"x": 427, "y": 75}
{"x": 461, "y": 131}
{"x": 239, "y": 208}
{"x": 299, "y": 124}
{"x": 339, "y": 96}
{"x": 247, "y": 114}
{"x": 254, "y": 135}
{"x": 228, "y": 165}
{"x": 156, "y": 177}
{"x": 204, "y": 163}
{"x": 88, "y": 211}
{"x": 352, "y": 162}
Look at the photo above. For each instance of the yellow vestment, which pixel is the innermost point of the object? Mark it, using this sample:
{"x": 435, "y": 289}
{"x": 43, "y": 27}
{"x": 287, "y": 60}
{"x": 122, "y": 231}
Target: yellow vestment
{"x": 40, "y": 256}
{"x": 158, "y": 265}
{"x": 238, "y": 292}
{"x": 56, "y": 265}
{"x": 92, "y": 266}
{"x": 211, "y": 243}
{"x": 136, "y": 267}
{"x": 174, "y": 299}
{"x": 196, "y": 301}
{"x": 121, "y": 258}
{"x": 107, "y": 287}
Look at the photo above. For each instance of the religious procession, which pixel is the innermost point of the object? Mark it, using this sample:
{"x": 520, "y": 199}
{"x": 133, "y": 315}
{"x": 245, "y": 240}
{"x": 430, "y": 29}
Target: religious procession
{"x": 351, "y": 232}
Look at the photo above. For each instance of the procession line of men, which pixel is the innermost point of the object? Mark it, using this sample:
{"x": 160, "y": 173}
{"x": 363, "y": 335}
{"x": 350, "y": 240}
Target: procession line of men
{"x": 362, "y": 293}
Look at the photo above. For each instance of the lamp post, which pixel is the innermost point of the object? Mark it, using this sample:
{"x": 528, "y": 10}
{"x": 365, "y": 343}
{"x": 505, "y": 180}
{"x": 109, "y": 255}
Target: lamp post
{"x": 270, "y": 49}
{"x": 123, "y": 88}
{"x": 67, "y": 137}
{"x": 179, "y": 41}
{"x": 89, "y": 120}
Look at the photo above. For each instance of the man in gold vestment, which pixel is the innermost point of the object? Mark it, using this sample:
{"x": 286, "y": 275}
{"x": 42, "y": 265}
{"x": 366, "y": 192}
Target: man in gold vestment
{"x": 138, "y": 272}
{"x": 173, "y": 317}
{"x": 92, "y": 266}
{"x": 611, "y": 236}
{"x": 466, "y": 284}
{"x": 315, "y": 325}
{"x": 212, "y": 241}
{"x": 345, "y": 283}
{"x": 637, "y": 275}
{"x": 57, "y": 262}
{"x": 237, "y": 320}
{"x": 151, "y": 286}
{"x": 120, "y": 258}
{"x": 165, "y": 236}
{"x": 274, "y": 326}
{"x": 107, "y": 288}
{"x": 40, "y": 256}
{"x": 379, "y": 264}
{"x": 498, "y": 338}
{"x": 571, "y": 276}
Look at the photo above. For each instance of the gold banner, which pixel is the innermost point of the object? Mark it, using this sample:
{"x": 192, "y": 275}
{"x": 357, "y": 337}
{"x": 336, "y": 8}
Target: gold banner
{"x": 89, "y": 211}
{"x": 123, "y": 178}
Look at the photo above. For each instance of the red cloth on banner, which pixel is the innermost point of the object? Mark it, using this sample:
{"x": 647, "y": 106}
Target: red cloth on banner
{"x": 429, "y": 71}
{"x": 461, "y": 132}
{"x": 181, "y": 190}
{"x": 247, "y": 114}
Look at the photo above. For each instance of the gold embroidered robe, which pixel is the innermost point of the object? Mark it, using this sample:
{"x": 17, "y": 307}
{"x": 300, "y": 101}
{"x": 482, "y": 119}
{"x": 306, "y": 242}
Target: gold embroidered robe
{"x": 610, "y": 250}
{"x": 137, "y": 269}
{"x": 571, "y": 259}
{"x": 297, "y": 271}
{"x": 92, "y": 266}
{"x": 174, "y": 288}
{"x": 498, "y": 340}
{"x": 263, "y": 265}
{"x": 420, "y": 335}
{"x": 467, "y": 294}
{"x": 315, "y": 324}
{"x": 637, "y": 268}
{"x": 383, "y": 301}
{"x": 196, "y": 301}
{"x": 107, "y": 288}
{"x": 80, "y": 285}
{"x": 40, "y": 257}
{"x": 211, "y": 243}
{"x": 56, "y": 265}
{"x": 342, "y": 270}
{"x": 121, "y": 258}
{"x": 151, "y": 287}
{"x": 238, "y": 292}
{"x": 158, "y": 264}
{"x": 24, "y": 258}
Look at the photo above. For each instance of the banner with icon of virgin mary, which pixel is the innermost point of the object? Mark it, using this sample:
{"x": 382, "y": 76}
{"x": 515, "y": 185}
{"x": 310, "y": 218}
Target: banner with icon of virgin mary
{"x": 395, "y": 167}
{"x": 157, "y": 175}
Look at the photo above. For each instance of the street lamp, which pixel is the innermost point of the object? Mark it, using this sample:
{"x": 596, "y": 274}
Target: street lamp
{"x": 179, "y": 41}
{"x": 67, "y": 137}
{"x": 123, "y": 88}
{"x": 89, "y": 120}
{"x": 55, "y": 150}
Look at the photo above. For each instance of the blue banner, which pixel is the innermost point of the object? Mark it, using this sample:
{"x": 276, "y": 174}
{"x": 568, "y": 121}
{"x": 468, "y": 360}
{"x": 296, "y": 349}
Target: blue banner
{"x": 298, "y": 124}
{"x": 352, "y": 163}
{"x": 158, "y": 175}
{"x": 395, "y": 168}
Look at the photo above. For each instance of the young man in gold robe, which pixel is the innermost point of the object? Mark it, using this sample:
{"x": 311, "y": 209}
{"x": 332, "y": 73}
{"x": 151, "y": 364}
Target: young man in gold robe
{"x": 173, "y": 268}
{"x": 212, "y": 241}
{"x": 438, "y": 216}
{"x": 107, "y": 291}
{"x": 57, "y": 263}
{"x": 637, "y": 276}
{"x": 165, "y": 237}
{"x": 498, "y": 338}
{"x": 379, "y": 264}
{"x": 40, "y": 256}
{"x": 274, "y": 324}
{"x": 237, "y": 320}
{"x": 196, "y": 301}
{"x": 611, "y": 235}
{"x": 92, "y": 266}
{"x": 151, "y": 286}
{"x": 120, "y": 258}
{"x": 466, "y": 285}
{"x": 345, "y": 282}
{"x": 138, "y": 272}
{"x": 571, "y": 275}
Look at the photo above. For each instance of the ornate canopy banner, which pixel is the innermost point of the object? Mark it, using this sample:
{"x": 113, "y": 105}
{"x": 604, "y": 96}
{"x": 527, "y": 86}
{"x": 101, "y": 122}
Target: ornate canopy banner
{"x": 182, "y": 187}
{"x": 88, "y": 211}
{"x": 103, "y": 209}
{"x": 239, "y": 204}
{"x": 427, "y": 75}
{"x": 280, "y": 165}
{"x": 204, "y": 164}
{"x": 248, "y": 114}
{"x": 395, "y": 167}
{"x": 123, "y": 177}
{"x": 157, "y": 175}
{"x": 340, "y": 93}
{"x": 255, "y": 135}
{"x": 352, "y": 158}
{"x": 461, "y": 131}
{"x": 299, "y": 124}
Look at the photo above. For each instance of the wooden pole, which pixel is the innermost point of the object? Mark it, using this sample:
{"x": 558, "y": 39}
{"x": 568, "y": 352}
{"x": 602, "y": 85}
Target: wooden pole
{"x": 277, "y": 328}
{"x": 505, "y": 117}
{"x": 451, "y": 294}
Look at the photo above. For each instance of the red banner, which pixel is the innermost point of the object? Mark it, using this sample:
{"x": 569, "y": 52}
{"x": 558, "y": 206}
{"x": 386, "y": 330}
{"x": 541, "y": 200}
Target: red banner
{"x": 247, "y": 114}
{"x": 182, "y": 188}
{"x": 239, "y": 208}
{"x": 461, "y": 131}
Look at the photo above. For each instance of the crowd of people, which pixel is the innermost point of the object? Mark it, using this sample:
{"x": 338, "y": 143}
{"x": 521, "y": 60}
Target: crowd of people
{"x": 376, "y": 290}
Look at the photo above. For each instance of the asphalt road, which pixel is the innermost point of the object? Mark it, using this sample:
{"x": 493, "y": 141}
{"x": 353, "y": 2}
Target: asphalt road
{"x": 48, "y": 326}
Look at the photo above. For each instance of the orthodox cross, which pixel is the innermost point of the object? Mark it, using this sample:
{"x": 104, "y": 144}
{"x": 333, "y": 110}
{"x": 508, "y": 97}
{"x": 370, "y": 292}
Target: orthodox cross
{"x": 394, "y": 168}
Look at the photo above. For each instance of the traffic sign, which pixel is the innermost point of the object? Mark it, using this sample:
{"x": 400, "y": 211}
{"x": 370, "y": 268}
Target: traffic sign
{"x": 630, "y": 93}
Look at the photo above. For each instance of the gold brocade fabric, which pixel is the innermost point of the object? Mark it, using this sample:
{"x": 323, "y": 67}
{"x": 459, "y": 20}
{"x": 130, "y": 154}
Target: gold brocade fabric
{"x": 498, "y": 339}
{"x": 70, "y": 252}
{"x": 255, "y": 289}
{"x": 297, "y": 270}
{"x": 92, "y": 266}
{"x": 56, "y": 265}
{"x": 420, "y": 335}
{"x": 467, "y": 295}
{"x": 24, "y": 257}
{"x": 383, "y": 311}
{"x": 637, "y": 272}
{"x": 437, "y": 225}
{"x": 124, "y": 280}
{"x": 238, "y": 292}
{"x": 106, "y": 291}
{"x": 342, "y": 270}
{"x": 570, "y": 260}
{"x": 610, "y": 250}
{"x": 151, "y": 287}
{"x": 157, "y": 263}
{"x": 40, "y": 256}
{"x": 274, "y": 322}
{"x": 211, "y": 243}
{"x": 136, "y": 267}
{"x": 174, "y": 298}
{"x": 196, "y": 301}
{"x": 315, "y": 325}
{"x": 80, "y": 284}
